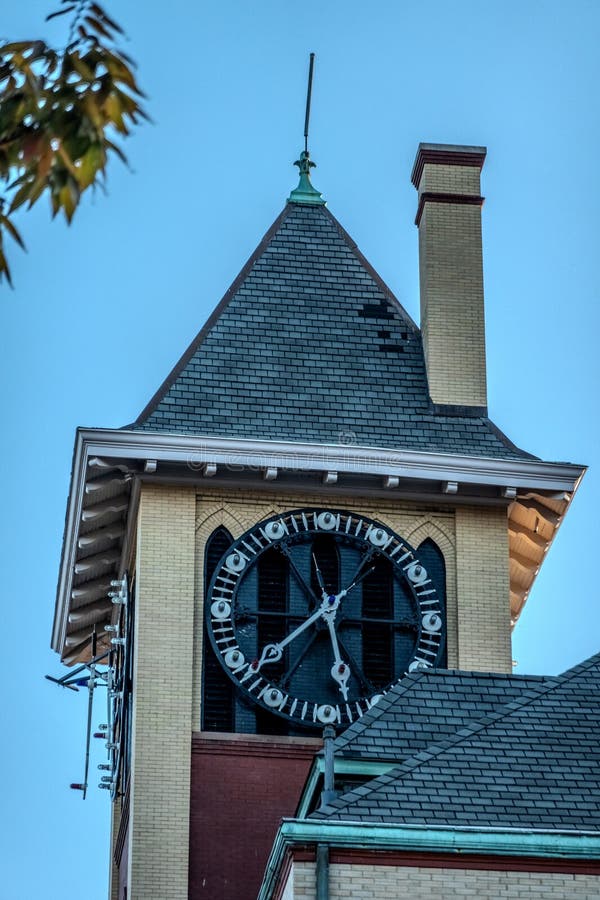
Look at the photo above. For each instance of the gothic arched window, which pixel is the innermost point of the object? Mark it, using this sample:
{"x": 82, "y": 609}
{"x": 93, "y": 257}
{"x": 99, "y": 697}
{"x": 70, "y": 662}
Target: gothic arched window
{"x": 217, "y": 688}
{"x": 433, "y": 559}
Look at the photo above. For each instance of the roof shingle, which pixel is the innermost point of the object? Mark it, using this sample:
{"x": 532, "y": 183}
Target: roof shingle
{"x": 310, "y": 345}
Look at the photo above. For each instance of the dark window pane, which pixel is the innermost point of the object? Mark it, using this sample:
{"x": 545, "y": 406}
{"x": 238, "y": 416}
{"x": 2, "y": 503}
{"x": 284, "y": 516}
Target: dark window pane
{"x": 272, "y": 598}
{"x": 325, "y": 551}
{"x": 217, "y": 694}
{"x": 433, "y": 559}
{"x": 378, "y": 637}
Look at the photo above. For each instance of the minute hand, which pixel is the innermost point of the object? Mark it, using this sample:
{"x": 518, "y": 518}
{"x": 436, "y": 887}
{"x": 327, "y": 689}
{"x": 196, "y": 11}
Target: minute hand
{"x": 274, "y": 652}
{"x": 356, "y": 581}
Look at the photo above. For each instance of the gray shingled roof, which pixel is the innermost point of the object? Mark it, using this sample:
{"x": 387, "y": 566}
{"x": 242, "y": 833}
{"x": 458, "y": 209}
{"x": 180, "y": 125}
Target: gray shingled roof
{"x": 533, "y": 763}
{"x": 310, "y": 345}
{"x": 428, "y": 707}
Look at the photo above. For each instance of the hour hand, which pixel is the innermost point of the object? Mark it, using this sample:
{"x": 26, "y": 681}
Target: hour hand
{"x": 273, "y": 652}
{"x": 340, "y": 671}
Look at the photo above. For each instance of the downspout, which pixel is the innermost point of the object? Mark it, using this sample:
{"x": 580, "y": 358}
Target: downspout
{"x": 322, "y": 871}
{"x": 327, "y": 795}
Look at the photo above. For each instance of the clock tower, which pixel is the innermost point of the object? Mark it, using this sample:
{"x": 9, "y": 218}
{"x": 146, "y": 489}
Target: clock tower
{"x": 313, "y": 504}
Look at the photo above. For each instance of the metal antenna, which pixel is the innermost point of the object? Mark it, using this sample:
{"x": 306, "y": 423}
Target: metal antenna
{"x": 308, "y": 95}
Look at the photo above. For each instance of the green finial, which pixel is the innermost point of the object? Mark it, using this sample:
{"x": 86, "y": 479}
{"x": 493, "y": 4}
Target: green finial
{"x": 305, "y": 192}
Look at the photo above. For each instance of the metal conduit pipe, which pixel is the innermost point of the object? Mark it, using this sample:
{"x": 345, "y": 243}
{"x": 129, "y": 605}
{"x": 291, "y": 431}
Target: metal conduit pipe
{"x": 322, "y": 871}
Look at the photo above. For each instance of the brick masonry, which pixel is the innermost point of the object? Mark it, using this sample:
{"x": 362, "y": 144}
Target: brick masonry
{"x": 368, "y": 882}
{"x": 242, "y": 785}
{"x": 451, "y": 284}
{"x": 160, "y": 782}
{"x": 482, "y": 565}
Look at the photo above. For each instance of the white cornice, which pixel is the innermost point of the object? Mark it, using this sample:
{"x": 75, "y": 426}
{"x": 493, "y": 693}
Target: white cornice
{"x": 194, "y": 450}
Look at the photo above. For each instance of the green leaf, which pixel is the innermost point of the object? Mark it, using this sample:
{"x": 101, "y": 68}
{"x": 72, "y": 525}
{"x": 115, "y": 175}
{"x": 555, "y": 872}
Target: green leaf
{"x": 20, "y": 197}
{"x": 4, "y": 270}
{"x": 8, "y": 225}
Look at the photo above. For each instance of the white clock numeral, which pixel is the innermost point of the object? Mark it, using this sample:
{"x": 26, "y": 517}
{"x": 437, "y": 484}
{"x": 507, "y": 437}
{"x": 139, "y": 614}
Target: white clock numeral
{"x": 236, "y": 562}
{"x": 275, "y": 530}
{"x": 272, "y": 697}
{"x": 416, "y": 573}
{"x": 417, "y": 665}
{"x": 326, "y": 714}
{"x": 234, "y": 658}
{"x": 377, "y": 536}
{"x": 220, "y": 609}
{"x": 326, "y": 521}
{"x": 431, "y": 623}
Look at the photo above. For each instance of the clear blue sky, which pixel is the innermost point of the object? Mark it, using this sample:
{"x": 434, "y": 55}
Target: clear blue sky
{"x": 102, "y": 310}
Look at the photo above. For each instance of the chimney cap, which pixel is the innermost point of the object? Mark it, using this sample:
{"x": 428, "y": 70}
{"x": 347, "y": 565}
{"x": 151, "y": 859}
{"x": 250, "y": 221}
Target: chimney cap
{"x": 446, "y": 155}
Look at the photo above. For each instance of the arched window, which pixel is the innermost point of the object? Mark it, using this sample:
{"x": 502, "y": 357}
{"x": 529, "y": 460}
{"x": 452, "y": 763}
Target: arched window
{"x": 432, "y": 558}
{"x": 378, "y": 635}
{"x": 273, "y": 609}
{"x": 217, "y": 688}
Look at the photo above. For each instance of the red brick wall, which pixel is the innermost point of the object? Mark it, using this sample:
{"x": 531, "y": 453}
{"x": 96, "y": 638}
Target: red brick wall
{"x": 241, "y": 787}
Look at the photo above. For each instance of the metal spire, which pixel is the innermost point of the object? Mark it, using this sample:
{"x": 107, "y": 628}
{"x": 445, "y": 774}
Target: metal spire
{"x": 305, "y": 192}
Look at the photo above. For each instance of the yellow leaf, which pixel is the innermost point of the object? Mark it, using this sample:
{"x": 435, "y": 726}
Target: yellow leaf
{"x": 68, "y": 198}
{"x": 93, "y": 160}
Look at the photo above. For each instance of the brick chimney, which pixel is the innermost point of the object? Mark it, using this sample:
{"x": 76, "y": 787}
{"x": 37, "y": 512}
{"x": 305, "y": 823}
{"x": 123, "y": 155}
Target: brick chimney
{"x": 451, "y": 272}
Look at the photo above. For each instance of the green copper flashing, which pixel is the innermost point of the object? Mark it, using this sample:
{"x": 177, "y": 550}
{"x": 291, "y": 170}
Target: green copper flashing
{"x": 305, "y": 192}
{"x": 369, "y": 768}
{"x": 491, "y": 841}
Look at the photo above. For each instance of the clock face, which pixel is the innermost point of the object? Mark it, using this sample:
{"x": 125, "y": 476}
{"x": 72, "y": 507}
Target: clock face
{"x": 315, "y": 613}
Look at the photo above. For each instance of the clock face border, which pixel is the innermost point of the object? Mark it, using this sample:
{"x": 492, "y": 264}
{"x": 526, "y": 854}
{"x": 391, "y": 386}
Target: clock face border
{"x": 297, "y": 526}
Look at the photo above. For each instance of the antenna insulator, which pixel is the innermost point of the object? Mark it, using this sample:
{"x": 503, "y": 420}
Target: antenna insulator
{"x": 77, "y": 787}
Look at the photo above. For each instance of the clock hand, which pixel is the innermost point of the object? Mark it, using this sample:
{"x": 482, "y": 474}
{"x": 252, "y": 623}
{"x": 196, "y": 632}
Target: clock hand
{"x": 274, "y": 652}
{"x": 319, "y": 577}
{"x": 357, "y": 580}
{"x": 308, "y": 590}
{"x": 340, "y": 671}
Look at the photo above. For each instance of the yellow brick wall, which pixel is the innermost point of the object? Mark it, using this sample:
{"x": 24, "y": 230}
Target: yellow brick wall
{"x": 484, "y": 636}
{"x": 421, "y": 883}
{"x": 113, "y": 878}
{"x": 163, "y": 656}
{"x": 450, "y": 179}
{"x": 451, "y": 286}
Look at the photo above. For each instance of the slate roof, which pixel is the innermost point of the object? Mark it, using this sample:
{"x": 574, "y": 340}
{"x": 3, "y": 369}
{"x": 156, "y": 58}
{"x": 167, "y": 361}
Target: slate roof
{"x": 428, "y": 707}
{"x": 310, "y": 345}
{"x": 532, "y": 763}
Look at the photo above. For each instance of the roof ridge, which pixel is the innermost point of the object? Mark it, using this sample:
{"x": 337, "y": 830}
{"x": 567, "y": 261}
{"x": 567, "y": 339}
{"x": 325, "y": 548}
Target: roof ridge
{"x": 214, "y": 316}
{"x": 353, "y": 246}
{"x": 436, "y": 749}
{"x": 583, "y": 666}
{"x": 400, "y": 688}
{"x": 349, "y": 735}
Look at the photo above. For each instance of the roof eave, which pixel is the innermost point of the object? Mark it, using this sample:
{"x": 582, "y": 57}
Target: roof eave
{"x": 165, "y": 457}
{"x": 529, "y": 842}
